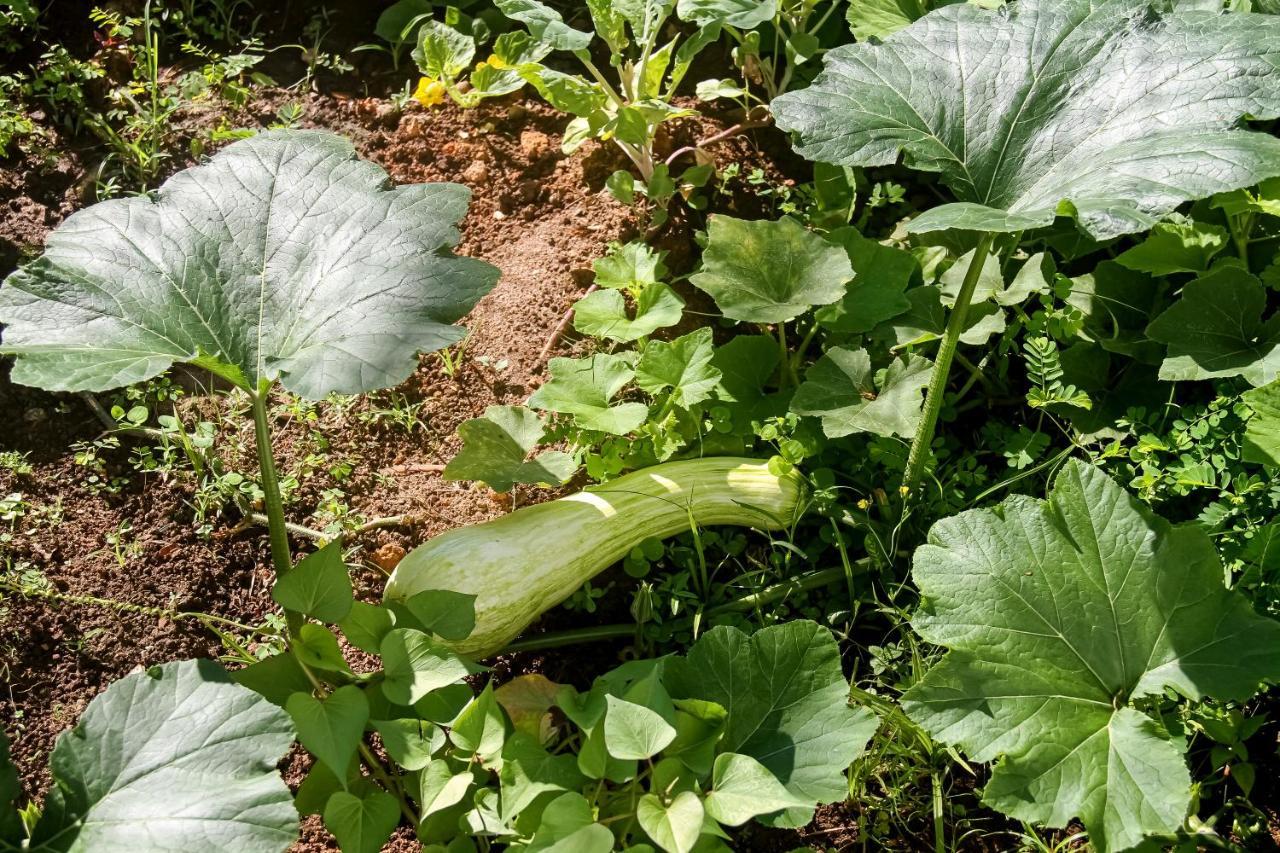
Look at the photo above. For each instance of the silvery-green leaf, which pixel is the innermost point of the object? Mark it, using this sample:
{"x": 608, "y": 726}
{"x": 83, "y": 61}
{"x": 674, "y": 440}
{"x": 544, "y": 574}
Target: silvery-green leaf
{"x": 1216, "y": 329}
{"x": 545, "y": 24}
{"x": 841, "y": 388}
{"x": 740, "y": 14}
{"x": 174, "y": 758}
{"x": 283, "y": 257}
{"x": 1058, "y": 614}
{"x": 1112, "y": 111}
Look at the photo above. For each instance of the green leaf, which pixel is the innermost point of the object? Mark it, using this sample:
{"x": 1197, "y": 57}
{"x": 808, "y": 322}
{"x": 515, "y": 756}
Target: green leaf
{"x": 683, "y": 366}
{"x": 584, "y": 387}
{"x": 1036, "y": 276}
{"x": 440, "y": 787}
{"x": 315, "y": 790}
{"x": 740, "y": 14}
{"x": 787, "y": 702}
{"x": 878, "y": 290}
{"x": 1262, "y": 433}
{"x": 283, "y": 257}
{"x": 674, "y": 827}
{"x": 317, "y": 647}
{"x": 568, "y": 826}
{"x": 565, "y": 92}
{"x": 926, "y": 320}
{"x": 1216, "y": 329}
{"x": 366, "y": 625}
{"x": 633, "y": 731}
{"x": 480, "y": 729}
{"x": 603, "y": 314}
{"x": 545, "y": 24}
{"x": 631, "y": 266}
{"x": 442, "y": 52}
{"x": 274, "y": 678}
{"x": 1118, "y": 304}
{"x": 415, "y": 664}
{"x": 177, "y": 739}
{"x": 396, "y": 18}
{"x": 318, "y": 586}
{"x": 990, "y": 281}
{"x": 361, "y": 824}
{"x": 443, "y": 612}
{"x": 1058, "y": 614}
{"x": 1178, "y": 246}
{"x": 529, "y": 771}
{"x": 769, "y": 272}
{"x": 842, "y": 389}
{"x": 1105, "y": 111}
{"x": 743, "y": 788}
{"x": 495, "y": 450}
{"x": 410, "y": 743}
{"x": 698, "y": 725}
{"x": 882, "y": 18}
{"x": 331, "y": 728}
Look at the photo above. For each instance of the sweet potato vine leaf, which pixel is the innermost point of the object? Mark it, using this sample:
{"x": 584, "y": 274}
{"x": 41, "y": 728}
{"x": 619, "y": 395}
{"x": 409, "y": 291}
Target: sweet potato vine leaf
{"x": 283, "y": 257}
{"x": 1113, "y": 111}
{"x": 173, "y": 758}
{"x": 1057, "y": 615}
{"x": 495, "y": 450}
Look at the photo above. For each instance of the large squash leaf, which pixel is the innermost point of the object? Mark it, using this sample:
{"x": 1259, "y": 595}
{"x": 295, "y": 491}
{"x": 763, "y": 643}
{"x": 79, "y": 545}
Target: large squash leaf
{"x": 1114, "y": 111}
{"x": 283, "y": 257}
{"x": 1058, "y": 615}
{"x": 174, "y": 758}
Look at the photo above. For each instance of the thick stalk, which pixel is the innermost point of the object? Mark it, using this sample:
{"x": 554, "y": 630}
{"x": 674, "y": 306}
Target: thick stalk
{"x": 271, "y": 500}
{"x": 942, "y": 365}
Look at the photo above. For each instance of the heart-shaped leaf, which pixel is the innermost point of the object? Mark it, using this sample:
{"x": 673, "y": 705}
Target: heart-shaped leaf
{"x": 1114, "y": 112}
{"x": 769, "y": 272}
{"x": 495, "y": 450}
{"x": 330, "y": 728}
{"x": 633, "y": 731}
{"x": 842, "y": 389}
{"x": 674, "y": 827}
{"x": 415, "y": 664}
{"x": 603, "y": 314}
{"x": 742, "y": 788}
{"x": 318, "y": 586}
{"x": 283, "y": 257}
{"x": 174, "y": 758}
{"x": 1058, "y": 615}
{"x": 361, "y": 824}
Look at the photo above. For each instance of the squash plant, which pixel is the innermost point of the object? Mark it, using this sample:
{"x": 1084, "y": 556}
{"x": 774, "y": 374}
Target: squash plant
{"x": 284, "y": 260}
{"x": 1110, "y": 113}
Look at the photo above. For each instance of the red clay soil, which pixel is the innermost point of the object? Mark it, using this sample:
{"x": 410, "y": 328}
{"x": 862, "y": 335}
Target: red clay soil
{"x": 539, "y": 216}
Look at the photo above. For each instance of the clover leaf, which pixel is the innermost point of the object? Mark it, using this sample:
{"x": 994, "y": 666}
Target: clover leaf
{"x": 769, "y": 272}
{"x": 842, "y": 389}
{"x": 1216, "y": 329}
{"x": 495, "y": 450}
{"x": 1114, "y": 113}
{"x": 585, "y": 387}
{"x": 282, "y": 258}
{"x": 173, "y": 758}
{"x": 1058, "y": 615}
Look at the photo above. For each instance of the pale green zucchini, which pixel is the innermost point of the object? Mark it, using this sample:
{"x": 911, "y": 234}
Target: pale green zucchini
{"x": 522, "y": 564}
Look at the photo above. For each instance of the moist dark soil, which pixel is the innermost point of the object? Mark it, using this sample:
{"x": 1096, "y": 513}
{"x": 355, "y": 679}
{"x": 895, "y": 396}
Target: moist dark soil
{"x": 540, "y": 216}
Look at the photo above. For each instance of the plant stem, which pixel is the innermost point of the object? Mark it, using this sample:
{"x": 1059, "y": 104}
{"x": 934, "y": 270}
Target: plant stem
{"x": 280, "y": 557}
{"x": 923, "y": 440}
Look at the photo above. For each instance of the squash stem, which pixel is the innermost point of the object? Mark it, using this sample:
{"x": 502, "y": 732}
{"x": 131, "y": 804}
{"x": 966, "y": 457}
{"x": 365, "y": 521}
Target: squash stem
{"x": 942, "y": 366}
{"x": 272, "y": 502}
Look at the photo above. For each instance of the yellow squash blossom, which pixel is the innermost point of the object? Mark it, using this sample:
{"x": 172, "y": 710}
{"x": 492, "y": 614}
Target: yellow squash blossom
{"x": 430, "y": 92}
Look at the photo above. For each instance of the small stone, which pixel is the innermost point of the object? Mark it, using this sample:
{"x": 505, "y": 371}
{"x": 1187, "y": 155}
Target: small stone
{"x": 534, "y": 144}
{"x": 388, "y": 556}
{"x": 476, "y": 173}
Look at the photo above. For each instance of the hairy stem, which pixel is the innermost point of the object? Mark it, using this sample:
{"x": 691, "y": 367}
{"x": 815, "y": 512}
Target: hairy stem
{"x": 274, "y": 505}
{"x": 942, "y": 365}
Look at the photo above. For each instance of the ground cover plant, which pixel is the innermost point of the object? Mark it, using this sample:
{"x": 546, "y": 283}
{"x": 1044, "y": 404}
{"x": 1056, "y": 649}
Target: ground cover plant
{"x": 900, "y": 474}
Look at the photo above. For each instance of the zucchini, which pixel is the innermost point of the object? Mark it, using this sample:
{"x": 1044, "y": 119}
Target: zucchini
{"x": 521, "y": 565}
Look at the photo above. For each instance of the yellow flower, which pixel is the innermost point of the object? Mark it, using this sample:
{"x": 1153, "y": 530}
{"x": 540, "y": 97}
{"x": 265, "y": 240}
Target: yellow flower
{"x": 430, "y": 92}
{"x": 496, "y": 62}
